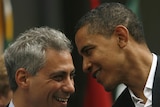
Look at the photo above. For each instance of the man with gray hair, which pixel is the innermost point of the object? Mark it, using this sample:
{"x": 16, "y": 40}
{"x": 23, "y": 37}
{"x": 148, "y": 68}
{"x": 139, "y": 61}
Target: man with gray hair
{"x": 40, "y": 68}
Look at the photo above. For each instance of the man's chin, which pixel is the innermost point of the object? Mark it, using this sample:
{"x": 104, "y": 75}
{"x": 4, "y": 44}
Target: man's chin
{"x": 108, "y": 89}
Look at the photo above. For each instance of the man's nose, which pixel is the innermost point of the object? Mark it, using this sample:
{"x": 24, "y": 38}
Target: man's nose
{"x": 86, "y": 65}
{"x": 69, "y": 86}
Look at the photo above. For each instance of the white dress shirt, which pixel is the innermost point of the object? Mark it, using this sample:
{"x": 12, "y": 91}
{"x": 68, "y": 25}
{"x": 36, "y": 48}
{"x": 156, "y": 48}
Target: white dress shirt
{"x": 148, "y": 87}
{"x": 11, "y": 104}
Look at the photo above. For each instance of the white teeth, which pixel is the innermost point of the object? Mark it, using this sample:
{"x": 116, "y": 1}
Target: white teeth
{"x": 62, "y": 99}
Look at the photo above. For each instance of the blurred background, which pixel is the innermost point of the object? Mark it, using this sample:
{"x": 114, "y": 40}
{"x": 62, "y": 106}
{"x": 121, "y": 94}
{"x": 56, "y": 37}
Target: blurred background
{"x": 16, "y": 16}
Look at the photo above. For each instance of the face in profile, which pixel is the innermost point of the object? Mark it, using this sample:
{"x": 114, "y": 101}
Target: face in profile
{"x": 101, "y": 57}
{"x": 53, "y": 85}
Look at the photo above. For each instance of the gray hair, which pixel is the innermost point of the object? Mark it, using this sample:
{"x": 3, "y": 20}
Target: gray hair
{"x": 29, "y": 50}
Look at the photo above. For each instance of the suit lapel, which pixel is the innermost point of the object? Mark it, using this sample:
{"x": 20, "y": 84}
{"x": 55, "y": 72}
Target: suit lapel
{"x": 156, "y": 86}
{"x": 7, "y": 105}
{"x": 124, "y": 100}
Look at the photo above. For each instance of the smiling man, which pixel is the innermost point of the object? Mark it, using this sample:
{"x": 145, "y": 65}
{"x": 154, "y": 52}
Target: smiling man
{"x": 40, "y": 69}
{"x": 111, "y": 40}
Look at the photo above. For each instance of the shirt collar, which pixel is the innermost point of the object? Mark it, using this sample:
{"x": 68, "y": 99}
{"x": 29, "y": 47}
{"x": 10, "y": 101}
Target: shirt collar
{"x": 149, "y": 83}
{"x": 11, "y": 104}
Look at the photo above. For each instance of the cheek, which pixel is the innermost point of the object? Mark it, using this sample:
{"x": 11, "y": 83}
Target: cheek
{"x": 50, "y": 86}
{"x": 39, "y": 85}
{"x": 46, "y": 89}
{"x": 101, "y": 55}
{"x": 109, "y": 72}
{"x": 53, "y": 86}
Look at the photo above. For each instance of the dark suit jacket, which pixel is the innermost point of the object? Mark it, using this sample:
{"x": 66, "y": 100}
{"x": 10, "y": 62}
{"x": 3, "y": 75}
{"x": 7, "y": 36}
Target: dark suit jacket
{"x": 7, "y": 105}
{"x": 124, "y": 100}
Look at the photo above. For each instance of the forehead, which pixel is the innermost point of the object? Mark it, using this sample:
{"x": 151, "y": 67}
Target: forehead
{"x": 58, "y": 61}
{"x": 82, "y": 31}
{"x": 82, "y": 35}
{"x": 58, "y": 57}
{"x": 83, "y": 38}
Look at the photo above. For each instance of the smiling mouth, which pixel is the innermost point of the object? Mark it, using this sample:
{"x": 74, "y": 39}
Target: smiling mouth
{"x": 96, "y": 74}
{"x": 63, "y": 100}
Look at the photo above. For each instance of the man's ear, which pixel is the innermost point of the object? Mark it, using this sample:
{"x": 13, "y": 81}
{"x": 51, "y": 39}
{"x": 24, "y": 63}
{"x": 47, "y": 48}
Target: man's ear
{"x": 122, "y": 35}
{"x": 21, "y": 78}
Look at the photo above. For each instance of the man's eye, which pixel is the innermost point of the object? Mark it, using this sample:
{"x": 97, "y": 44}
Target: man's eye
{"x": 58, "y": 78}
{"x": 88, "y": 51}
{"x": 72, "y": 75}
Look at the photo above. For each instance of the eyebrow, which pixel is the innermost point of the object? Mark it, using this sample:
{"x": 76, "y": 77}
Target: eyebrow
{"x": 62, "y": 72}
{"x": 83, "y": 49}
